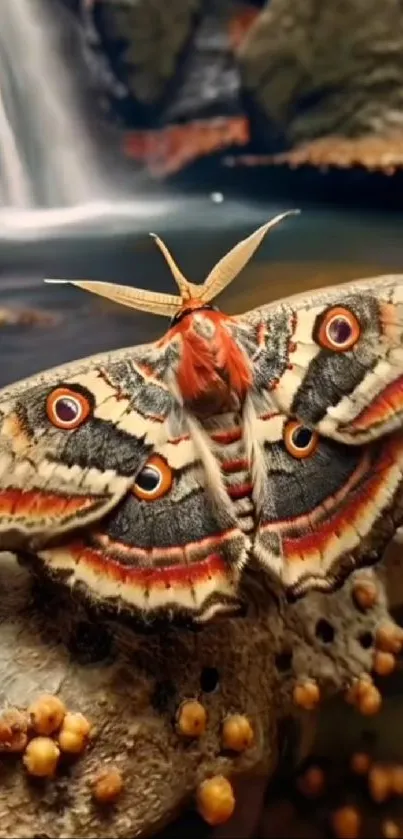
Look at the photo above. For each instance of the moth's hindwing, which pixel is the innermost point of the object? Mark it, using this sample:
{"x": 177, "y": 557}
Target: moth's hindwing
{"x": 105, "y": 480}
{"x": 327, "y": 408}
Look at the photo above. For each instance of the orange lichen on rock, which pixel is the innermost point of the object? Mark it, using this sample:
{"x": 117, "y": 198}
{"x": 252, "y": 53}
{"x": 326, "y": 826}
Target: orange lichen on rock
{"x": 215, "y": 800}
{"x": 46, "y": 714}
{"x": 346, "y": 822}
{"x": 107, "y": 785}
{"x": 13, "y": 731}
{"x": 237, "y": 733}
{"x": 191, "y": 718}
{"x": 307, "y": 695}
{"x": 41, "y": 757}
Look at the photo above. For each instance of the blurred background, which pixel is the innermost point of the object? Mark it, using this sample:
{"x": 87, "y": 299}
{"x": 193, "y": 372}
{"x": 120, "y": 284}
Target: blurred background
{"x": 197, "y": 120}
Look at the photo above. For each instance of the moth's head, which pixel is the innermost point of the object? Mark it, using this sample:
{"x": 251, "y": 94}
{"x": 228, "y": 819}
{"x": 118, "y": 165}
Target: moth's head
{"x": 189, "y": 308}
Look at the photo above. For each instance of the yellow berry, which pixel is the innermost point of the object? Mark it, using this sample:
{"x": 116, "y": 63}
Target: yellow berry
{"x": 41, "y": 757}
{"x": 237, "y": 733}
{"x": 108, "y": 785}
{"x": 215, "y": 800}
{"x": 192, "y": 718}
{"x": 384, "y": 663}
{"x": 46, "y": 714}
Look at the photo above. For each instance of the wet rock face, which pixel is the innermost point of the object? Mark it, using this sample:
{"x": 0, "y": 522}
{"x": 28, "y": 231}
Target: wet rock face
{"x": 151, "y": 35}
{"x": 279, "y": 663}
{"x": 316, "y": 68}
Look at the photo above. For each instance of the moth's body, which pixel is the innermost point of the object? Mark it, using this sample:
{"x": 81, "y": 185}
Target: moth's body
{"x": 154, "y": 478}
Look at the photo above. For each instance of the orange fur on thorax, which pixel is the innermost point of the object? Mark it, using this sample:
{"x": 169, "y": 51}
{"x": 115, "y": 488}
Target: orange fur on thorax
{"x": 208, "y": 365}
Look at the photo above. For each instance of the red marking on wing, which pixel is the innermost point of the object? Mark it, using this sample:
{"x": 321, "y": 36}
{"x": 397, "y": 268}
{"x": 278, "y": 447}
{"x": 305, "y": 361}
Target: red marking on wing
{"x": 160, "y": 555}
{"x": 230, "y": 466}
{"x": 35, "y": 504}
{"x": 381, "y": 409}
{"x": 328, "y": 504}
{"x": 240, "y": 490}
{"x": 296, "y": 549}
{"x": 177, "y": 576}
{"x": 226, "y": 437}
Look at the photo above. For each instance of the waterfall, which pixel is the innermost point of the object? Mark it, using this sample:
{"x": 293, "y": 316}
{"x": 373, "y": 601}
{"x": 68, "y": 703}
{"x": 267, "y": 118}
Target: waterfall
{"x": 47, "y": 158}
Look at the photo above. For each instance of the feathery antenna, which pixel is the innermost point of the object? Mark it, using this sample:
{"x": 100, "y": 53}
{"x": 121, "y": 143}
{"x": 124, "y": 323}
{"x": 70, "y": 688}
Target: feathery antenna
{"x": 167, "y": 305}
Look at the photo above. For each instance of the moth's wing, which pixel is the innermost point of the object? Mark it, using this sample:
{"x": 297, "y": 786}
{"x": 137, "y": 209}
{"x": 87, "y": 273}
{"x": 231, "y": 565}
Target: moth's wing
{"x": 54, "y": 479}
{"x": 323, "y": 515}
{"x": 353, "y": 395}
{"x": 176, "y": 552}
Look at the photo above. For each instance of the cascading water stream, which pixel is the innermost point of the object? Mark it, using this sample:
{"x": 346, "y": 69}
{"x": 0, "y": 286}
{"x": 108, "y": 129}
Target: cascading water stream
{"x": 53, "y": 181}
{"x": 47, "y": 158}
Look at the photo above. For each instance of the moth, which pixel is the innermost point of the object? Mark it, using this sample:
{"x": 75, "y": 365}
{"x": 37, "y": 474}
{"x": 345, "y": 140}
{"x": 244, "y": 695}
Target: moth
{"x": 153, "y": 479}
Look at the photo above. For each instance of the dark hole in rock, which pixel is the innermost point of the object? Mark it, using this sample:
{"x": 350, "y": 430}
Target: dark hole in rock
{"x": 324, "y": 631}
{"x": 283, "y": 661}
{"x": 90, "y": 643}
{"x": 366, "y": 640}
{"x": 163, "y": 694}
{"x": 209, "y": 679}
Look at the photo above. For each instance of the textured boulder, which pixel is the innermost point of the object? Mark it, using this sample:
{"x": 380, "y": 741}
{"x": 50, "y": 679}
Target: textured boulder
{"x": 278, "y": 663}
{"x": 317, "y": 67}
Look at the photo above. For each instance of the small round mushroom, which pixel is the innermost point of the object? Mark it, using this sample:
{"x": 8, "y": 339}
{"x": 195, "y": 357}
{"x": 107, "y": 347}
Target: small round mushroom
{"x": 360, "y": 763}
{"x": 389, "y": 638}
{"x": 384, "y": 663}
{"x": 73, "y": 735}
{"x": 380, "y": 783}
{"x": 237, "y": 733}
{"x": 365, "y": 594}
{"x": 107, "y": 785}
{"x": 46, "y": 714}
{"x": 41, "y": 757}
{"x": 215, "y": 800}
{"x": 307, "y": 695}
{"x": 312, "y": 782}
{"x": 346, "y": 822}
{"x": 390, "y": 830}
{"x": 191, "y": 718}
{"x": 365, "y": 696}
{"x": 13, "y": 731}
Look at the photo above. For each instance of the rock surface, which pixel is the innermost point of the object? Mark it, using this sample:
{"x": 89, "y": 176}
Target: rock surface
{"x": 130, "y": 686}
{"x": 316, "y": 67}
